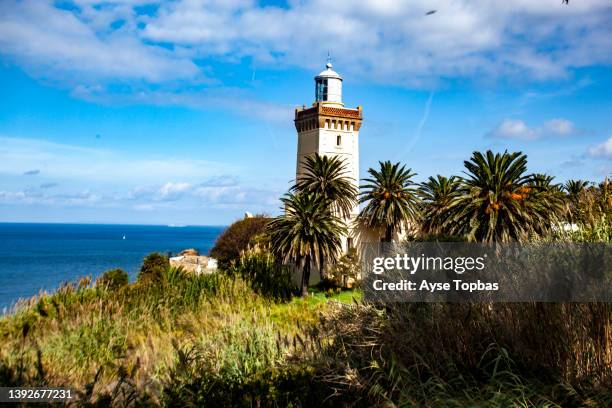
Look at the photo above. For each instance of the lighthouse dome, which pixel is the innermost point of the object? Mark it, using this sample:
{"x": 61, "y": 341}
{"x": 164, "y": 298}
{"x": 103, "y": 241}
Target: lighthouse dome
{"x": 328, "y": 86}
{"x": 329, "y": 72}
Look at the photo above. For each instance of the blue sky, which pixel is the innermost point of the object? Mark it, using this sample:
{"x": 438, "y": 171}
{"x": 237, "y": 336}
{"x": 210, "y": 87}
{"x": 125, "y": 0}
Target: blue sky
{"x": 180, "y": 112}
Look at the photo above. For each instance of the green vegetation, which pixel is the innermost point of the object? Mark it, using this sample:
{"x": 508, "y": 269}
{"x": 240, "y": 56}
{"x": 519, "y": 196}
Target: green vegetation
{"x": 391, "y": 203}
{"x": 211, "y": 340}
{"x": 113, "y": 279}
{"x": 239, "y": 337}
{"x": 327, "y": 177}
{"x": 236, "y": 238}
{"x": 500, "y": 202}
{"x": 153, "y": 267}
{"x": 307, "y": 232}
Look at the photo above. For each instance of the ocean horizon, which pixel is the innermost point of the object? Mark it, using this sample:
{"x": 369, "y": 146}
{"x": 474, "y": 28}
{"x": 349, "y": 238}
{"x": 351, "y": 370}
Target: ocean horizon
{"x": 37, "y": 257}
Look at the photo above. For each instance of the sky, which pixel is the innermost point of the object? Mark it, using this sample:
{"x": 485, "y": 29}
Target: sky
{"x": 181, "y": 112}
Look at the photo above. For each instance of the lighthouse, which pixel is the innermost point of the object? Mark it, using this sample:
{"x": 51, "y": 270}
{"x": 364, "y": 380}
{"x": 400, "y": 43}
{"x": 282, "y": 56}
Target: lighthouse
{"x": 328, "y": 128}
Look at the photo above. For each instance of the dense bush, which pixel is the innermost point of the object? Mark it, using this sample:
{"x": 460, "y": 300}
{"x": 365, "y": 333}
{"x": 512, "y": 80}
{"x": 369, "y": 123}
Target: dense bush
{"x": 347, "y": 271}
{"x": 153, "y": 267}
{"x": 236, "y": 238}
{"x": 246, "y": 371}
{"x": 113, "y": 279}
{"x": 258, "y": 267}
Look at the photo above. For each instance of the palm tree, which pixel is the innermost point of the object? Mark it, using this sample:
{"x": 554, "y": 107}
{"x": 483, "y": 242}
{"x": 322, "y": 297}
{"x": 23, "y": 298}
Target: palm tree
{"x": 391, "y": 199}
{"x": 328, "y": 178}
{"x": 437, "y": 194}
{"x": 544, "y": 181}
{"x": 305, "y": 233}
{"x": 498, "y": 201}
{"x": 573, "y": 188}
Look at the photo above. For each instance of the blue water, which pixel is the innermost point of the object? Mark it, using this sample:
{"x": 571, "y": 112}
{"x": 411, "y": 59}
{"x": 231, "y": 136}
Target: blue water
{"x": 36, "y": 257}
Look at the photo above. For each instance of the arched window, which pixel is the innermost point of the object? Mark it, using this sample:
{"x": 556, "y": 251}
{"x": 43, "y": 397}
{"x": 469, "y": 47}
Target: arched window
{"x": 338, "y": 140}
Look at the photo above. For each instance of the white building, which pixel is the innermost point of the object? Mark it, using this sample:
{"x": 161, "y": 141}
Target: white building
{"x": 330, "y": 129}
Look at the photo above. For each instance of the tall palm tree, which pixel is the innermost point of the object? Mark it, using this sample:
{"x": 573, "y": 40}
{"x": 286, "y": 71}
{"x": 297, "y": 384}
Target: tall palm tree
{"x": 498, "y": 201}
{"x": 549, "y": 196}
{"x": 544, "y": 181}
{"x": 391, "y": 200}
{"x": 437, "y": 193}
{"x": 306, "y": 232}
{"x": 573, "y": 188}
{"x": 328, "y": 178}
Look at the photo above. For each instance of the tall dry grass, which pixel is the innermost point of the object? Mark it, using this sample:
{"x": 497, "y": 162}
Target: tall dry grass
{"x": 123, "y": 345}
{"x": 481, "y": 355}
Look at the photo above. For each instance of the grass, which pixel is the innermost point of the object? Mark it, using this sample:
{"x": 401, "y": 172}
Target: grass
{"x": 89, "y": 337}
{"x": 213, "y": 340}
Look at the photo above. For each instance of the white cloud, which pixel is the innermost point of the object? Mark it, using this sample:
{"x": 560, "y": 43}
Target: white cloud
{"x": 94, "y": 165}
{"x": 63, "y": 43}
{"x": 513, "y": 129}
{"x": 561, "y": 127}
{"x": 393, "y": 41}
{"x": 603, "y": 150}
{"x": 518, "y": 129}
{"x": 172, "y": 191}
{"x": 388, "y": 41}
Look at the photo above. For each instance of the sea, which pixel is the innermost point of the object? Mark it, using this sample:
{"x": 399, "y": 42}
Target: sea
{"x": 40, "y": 257}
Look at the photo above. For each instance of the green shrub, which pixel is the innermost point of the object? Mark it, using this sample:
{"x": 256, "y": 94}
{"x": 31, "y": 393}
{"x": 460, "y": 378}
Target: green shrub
{"x": 266, "y": 276}
{"x": 347, "y": 271}
{"x": 241, "y": 367}
{"x": 236, "y": 238}
{"x": 153, "y": 267}
{"x": 113, "y": 279}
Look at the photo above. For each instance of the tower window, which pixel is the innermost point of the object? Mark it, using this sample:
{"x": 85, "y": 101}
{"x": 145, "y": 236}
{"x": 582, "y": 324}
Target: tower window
{"x": 321, "y": 90}
{"x": 338, "y": 140}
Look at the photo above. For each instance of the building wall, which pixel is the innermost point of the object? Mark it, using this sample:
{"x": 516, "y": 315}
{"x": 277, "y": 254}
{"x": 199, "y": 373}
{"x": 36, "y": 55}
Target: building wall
{"x": 324, "y": 142}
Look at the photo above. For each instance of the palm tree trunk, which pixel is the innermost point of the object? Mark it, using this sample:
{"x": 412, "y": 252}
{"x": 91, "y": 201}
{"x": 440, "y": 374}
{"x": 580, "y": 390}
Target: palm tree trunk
{"x": 389, "y": 233}
{"x": 306, "y": 276}
{"x": 321, "y": 265}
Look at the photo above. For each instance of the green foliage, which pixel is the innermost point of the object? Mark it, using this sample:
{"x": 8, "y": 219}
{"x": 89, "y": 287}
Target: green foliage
{"x": 328, "y": 178}
{"x": 236, "y": 238}
{"x": 574, "y": 188}
{"x": 307, "y": 232}
{"x": 153, "y": 267}
{"x": 265, "y": 275}
{"x": 391, "y": 200}
{"x": 437, "y": 194}
{"x": 500, "y": 202}
{"x": 588, "y": 206}
{"x": 347, "y": 269}
{"x": 599, "y": 230}
{"x": 245, "y": 373}
{"x": 113, "y": 279}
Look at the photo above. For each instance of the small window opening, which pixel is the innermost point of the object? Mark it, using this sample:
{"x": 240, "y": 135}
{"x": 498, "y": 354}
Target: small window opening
{"x": 338, "y": 140}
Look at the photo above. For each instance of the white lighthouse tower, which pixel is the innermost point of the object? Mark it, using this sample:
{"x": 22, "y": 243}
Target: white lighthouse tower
{"x": 330, "y": 129}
